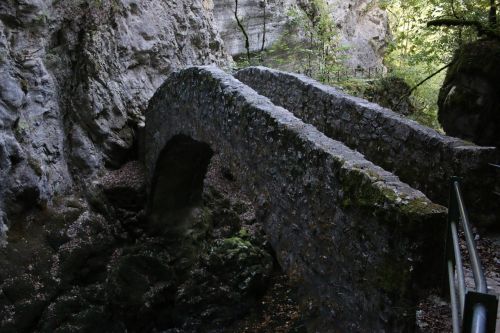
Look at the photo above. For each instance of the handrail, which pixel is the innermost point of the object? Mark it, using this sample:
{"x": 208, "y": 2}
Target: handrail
{"x": 477, "y": 270}
{"x": 475, "y": 310}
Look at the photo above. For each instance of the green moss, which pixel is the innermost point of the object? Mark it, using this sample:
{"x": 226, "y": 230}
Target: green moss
{"x": 235, "y": 244}
{"x": 243, "y": 233}
{"x": 374, "y": 175}
{"x": 360, "y": 190}
{"x": 199, "y": 225}
{"x": 419, "y": 206}
{"x": 22, "y": 126}
{"x": 41, "y": 19}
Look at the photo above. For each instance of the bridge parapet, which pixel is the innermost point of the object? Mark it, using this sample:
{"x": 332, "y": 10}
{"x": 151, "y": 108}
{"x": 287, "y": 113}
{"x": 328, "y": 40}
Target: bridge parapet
{"x": 361, "y": 243}
{"x": 418, "y": 155}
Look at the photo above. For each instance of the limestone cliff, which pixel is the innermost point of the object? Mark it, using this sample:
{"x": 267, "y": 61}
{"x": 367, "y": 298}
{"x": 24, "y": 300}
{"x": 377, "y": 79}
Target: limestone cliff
{"x": 251, "y": 14}
{"x": 364, "y": 30}
{"x": 363, "y": 26}
{"x": 75, "y": 77}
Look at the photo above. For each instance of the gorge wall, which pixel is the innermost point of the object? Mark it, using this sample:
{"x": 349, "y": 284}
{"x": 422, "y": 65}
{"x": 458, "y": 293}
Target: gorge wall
{"x": 251, "y": 14}
{"x": 362, "y": 24}
{"x": 75, "y": 79}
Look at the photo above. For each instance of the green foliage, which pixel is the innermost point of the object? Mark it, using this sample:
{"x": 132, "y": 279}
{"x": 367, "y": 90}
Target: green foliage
{"x": 323, "y": 52}
{"x": 417, "y": 50}
{"x": 310, "y": 44}
{"x": 414, "y": 42}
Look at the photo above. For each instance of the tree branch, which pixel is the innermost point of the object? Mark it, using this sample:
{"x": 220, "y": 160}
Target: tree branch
{"x": 452, "y": 22}
{"x": 453, "y": 9}
{"x": 455, "y": 22}
{"x": 492, "y": 18}
{"x": 410, "y": 91}
{"x": 428, "y": 78}
{"x": 247, "y": 43}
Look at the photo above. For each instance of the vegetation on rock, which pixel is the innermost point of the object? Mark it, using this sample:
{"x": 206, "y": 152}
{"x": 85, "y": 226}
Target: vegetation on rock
{"x": 424, "y": 43}
{"x": 310, "y": 43}
{"x": 425, "y": 37}
{"x": 75, "y": 271}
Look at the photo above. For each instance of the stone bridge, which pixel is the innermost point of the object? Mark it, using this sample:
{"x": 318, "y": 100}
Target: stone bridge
{"x": 418, "y": 155}
{"x": 362, "y": 244}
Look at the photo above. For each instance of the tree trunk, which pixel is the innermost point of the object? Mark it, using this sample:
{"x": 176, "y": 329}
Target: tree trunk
{"x": 493, "y": 14}
{"x": 264, "y": 28}
{"x": 247, "y": 43}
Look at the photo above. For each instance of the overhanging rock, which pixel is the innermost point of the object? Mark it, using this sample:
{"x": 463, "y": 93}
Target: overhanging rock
{"x": 420, "y": 156}
{"x": 361, "y": 243}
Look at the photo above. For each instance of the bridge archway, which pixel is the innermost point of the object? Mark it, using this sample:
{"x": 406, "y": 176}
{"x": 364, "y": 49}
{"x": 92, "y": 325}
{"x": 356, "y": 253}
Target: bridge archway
{"x": 362, "y": 243}
{"x": 177, "y": 181}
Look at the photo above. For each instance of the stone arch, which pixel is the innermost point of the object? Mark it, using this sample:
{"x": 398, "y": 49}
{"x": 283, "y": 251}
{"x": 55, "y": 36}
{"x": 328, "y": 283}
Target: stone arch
{"x": 177, "y": 182}
{"x": 329, "y": 213}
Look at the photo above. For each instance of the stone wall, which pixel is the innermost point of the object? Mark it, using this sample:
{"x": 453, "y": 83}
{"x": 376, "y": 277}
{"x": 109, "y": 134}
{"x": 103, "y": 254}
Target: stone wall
{"x": 354, "y": 236}
{"x": 419, "y": 155}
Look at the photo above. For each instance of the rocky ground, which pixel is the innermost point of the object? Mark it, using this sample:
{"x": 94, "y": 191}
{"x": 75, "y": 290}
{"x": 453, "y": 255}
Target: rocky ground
{"x": 434, "y": 314}
{"x": 92, "y": 264}
{"x": 77, "y": 268}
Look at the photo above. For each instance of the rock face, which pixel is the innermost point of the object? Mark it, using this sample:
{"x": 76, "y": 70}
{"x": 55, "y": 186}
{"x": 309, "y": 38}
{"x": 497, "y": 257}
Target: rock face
{"x": 364, "y": 30}
{"x": 469, "y": 100}
{"x": 420, "y": 156}
{"x": 363, "y": 26}
{"x": 251, "y": 14}
{"x": 75, "y": 77}
{"x": 79, "y": 270}
{"x": 329, "y": 213}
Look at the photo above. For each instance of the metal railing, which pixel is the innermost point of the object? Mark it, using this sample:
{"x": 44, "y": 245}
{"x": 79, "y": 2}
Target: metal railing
{"x": 346, "y": 73}
{"x": 473, "y": 311}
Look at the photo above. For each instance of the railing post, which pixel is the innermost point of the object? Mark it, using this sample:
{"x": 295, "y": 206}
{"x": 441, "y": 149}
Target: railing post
{"x": 453, "y": 212}
{"x": 480, "y": 313}
{"x": 477, "y": 310}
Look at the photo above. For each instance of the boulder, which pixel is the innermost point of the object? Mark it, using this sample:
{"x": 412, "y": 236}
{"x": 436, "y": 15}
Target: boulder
{"x": 391, "y": 92}
{"x": 126, "y": 187}
{"x": 469, "y": 100}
